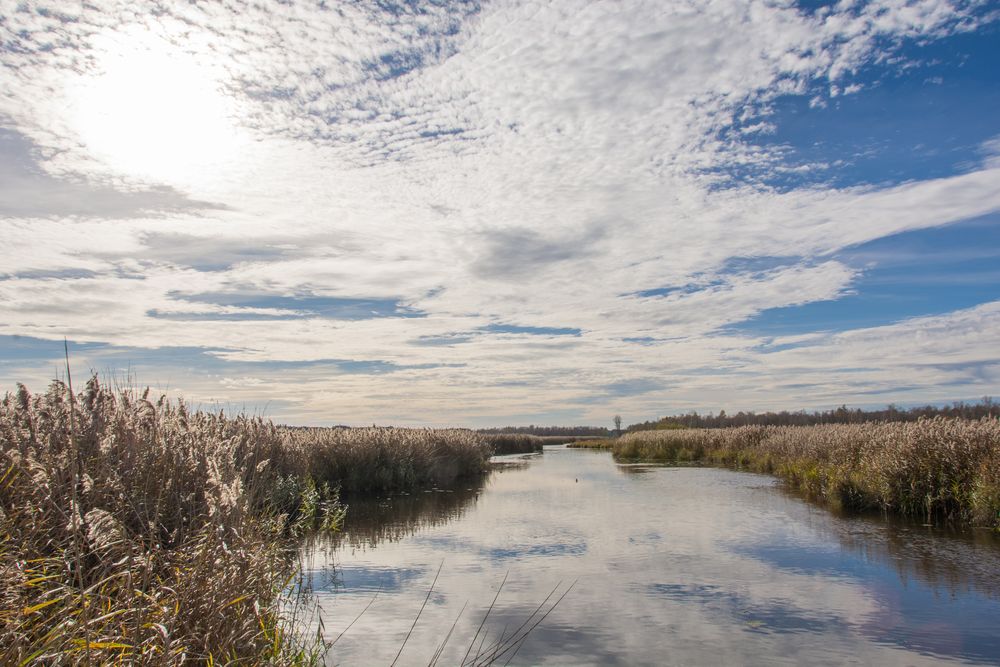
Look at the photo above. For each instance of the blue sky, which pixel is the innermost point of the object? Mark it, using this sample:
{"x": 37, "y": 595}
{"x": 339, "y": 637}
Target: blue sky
{"x": 492, "y": 213}
{"x": 911, "y": 274}
{"x": 927, "y": 117}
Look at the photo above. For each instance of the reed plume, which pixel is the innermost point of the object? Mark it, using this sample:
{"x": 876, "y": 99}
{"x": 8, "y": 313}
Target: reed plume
{"x": 133, "y": 529}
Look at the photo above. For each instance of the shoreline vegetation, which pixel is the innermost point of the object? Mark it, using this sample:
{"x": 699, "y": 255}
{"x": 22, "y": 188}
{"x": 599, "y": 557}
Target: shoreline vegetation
{"x": 944, "y": 469}
{"x": 986, "y": 407}
{"x": 595, "y": 443}
{"x": 526, "y": 443}
{"x": 136, "y": 530}
{"x": 513, "y": 443}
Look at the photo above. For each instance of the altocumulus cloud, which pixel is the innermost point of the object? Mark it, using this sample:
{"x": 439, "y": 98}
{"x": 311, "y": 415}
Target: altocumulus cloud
{"x": 464, "y": 212}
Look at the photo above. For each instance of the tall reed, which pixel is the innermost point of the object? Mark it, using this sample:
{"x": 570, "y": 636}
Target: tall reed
{"x": 134, "y": 530}
{"x": 933, "y": 468}
{"x": 378, "y": 461}
{"x": 514, "y": 443}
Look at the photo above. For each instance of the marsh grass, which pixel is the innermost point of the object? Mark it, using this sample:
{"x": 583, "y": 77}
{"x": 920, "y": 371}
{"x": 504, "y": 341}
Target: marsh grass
{"x": 592, "y": 443}
{"x": 526, "y": 443}
{"x": 567, "y": 439}
{"x": 383, "y": 461}
{"x": 138, "y": 531}
{"x": 513, "y": 443}
{"x": 943, "y": 469}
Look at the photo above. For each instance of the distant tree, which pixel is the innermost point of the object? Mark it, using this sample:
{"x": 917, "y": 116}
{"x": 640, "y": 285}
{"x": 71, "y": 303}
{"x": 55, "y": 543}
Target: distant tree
{"x": 618, "y": 424}
{"x": 601, "y": 431}
{"x": 984, "y": 409}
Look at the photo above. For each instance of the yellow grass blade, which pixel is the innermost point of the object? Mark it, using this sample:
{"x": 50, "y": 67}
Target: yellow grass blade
{"x": 31, "y": 657}
{"x": 41, "y": 605}
{"x": 83, "y": 645}
{"x": 11, "y": 480}
{"x": 239, "y": 599}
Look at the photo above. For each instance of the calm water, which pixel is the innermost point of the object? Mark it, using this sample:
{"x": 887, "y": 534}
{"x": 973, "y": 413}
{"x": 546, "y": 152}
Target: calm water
{"x": 672, "y": 566}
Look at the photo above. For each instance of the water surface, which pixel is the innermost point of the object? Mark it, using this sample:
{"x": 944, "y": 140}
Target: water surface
{"x": 672, "y": 565}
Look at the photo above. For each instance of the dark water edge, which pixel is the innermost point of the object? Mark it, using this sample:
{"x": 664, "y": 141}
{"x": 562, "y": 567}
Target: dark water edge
{"x": 674, "y": 565}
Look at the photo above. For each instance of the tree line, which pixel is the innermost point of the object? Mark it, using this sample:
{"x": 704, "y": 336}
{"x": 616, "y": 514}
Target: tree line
{"x": 550, "y": 430}
{"x": 842, "y": 415}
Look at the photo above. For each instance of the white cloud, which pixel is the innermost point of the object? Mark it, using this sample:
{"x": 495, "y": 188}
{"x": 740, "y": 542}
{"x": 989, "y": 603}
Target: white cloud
{"x": 524, "y": 165}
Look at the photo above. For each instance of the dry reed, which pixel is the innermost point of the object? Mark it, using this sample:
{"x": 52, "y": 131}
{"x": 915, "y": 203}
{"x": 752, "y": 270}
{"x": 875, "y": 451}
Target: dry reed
{"x": 933, "y": 468}
{"x": 137, "y": 531}
{"x": 514, "y": 443}
{"x": 526, "y": 443}
{"x": 379, "y": 461}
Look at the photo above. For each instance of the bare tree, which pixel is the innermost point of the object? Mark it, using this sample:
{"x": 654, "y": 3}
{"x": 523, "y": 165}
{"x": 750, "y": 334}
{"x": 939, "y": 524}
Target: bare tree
{"x": 618, "y": 424}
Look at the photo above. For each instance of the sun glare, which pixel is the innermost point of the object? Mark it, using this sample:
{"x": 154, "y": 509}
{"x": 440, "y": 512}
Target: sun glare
{"x": 155, "y": 111}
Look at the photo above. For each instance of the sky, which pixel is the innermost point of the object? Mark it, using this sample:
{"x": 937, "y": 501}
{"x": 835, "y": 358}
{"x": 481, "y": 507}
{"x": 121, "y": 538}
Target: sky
{"x": 511, "y": 212}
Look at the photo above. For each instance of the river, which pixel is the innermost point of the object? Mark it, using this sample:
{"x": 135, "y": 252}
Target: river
{"x": 668, "y": 565}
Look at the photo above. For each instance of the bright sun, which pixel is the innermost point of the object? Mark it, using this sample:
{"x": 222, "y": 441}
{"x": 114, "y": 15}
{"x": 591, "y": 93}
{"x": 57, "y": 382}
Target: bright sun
{"x": 153, "y": 110}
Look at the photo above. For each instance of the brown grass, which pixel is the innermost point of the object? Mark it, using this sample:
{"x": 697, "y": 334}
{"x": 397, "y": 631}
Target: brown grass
{"x": 380, "y": 461}
{"x": 592, "y": 443}
{"x": 514, "y": 443}
{"x": 934, "y": 468}
{"x": 526, "y": 443}
{"x": 139, "y": 531}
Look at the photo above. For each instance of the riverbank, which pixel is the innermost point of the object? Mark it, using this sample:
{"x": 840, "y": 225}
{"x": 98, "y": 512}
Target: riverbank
{"x": 935, "y": 469}
{"x": 525, "y": 443}
{"x": 595, "y": 443}
{"x": 136, "y": 530}
{"x": 513, "y": 443}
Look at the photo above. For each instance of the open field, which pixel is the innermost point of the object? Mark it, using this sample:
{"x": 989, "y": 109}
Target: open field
{"x": 136, "y": 530}
{"x": 933, "y": 468}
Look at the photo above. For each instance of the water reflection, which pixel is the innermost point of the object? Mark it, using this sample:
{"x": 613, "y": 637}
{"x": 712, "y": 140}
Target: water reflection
{"x": 772, "y": 616}
{"x": 948, "y": 559}
{"x": 675, "y": 565}
{"x": 370, "y": 522}
{"x": 951, "y": 562}
{"x": 935, "y": 568}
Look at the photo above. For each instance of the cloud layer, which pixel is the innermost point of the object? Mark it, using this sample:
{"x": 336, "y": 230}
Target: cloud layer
{"x": 465, "y": 213}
